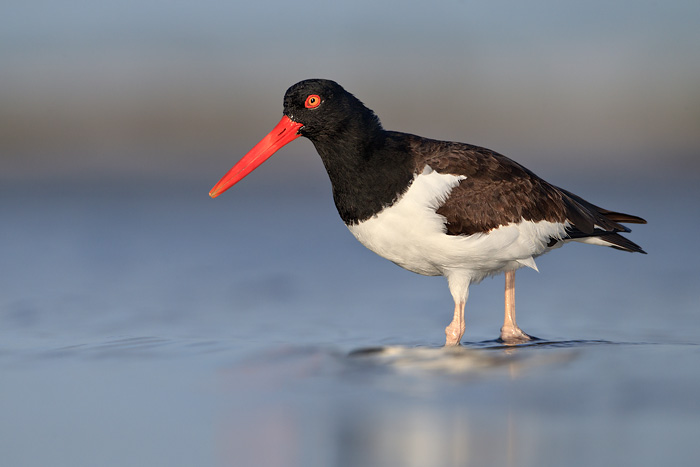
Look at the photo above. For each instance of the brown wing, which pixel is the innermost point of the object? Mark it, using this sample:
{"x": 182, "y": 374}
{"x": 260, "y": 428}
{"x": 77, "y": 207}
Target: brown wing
{"x": 498, "y": 191}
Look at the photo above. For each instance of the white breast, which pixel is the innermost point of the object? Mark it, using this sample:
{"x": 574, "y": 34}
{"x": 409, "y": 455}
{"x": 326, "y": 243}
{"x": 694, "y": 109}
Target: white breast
{"x": 411, "y": 234}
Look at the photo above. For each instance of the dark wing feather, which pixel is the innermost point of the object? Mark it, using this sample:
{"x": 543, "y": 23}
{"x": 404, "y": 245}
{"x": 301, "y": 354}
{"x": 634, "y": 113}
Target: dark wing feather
{"x": 498, "y": 191}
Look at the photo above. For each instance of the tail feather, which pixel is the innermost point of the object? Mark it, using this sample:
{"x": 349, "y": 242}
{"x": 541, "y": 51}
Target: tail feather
{"x": 589, "y": 223}
{"x": 589, "y": 218}
{"x": 622, "y": 217}
{"x": 619, "y": 242}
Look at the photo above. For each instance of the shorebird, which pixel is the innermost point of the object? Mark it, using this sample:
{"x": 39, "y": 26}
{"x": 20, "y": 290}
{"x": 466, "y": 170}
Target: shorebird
{"x": 436, "y": 208}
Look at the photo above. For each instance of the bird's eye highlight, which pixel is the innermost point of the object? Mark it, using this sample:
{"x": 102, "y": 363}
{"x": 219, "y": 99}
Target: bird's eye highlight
{"x": 313, "y": 101}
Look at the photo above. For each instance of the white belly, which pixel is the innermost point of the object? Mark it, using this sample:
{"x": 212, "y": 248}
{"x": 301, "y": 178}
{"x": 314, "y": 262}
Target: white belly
{"x": 411, "y": 234}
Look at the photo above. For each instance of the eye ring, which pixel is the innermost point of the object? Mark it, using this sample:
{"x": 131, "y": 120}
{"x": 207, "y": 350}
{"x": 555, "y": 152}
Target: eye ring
{"x": 313, "y": 101}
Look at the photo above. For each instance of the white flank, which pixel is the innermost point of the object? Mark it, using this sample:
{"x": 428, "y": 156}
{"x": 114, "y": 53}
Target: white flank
{"x": 411, "y": 234}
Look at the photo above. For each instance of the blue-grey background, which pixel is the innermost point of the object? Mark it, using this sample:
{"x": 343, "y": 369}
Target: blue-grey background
{"x": 142, "y": 323}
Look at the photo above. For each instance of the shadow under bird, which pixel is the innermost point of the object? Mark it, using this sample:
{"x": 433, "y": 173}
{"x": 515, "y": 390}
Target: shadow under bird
{"x": 436, "y": 208}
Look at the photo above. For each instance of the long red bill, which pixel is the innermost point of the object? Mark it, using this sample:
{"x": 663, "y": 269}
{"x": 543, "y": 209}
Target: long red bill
{"x": 285, "y": 132}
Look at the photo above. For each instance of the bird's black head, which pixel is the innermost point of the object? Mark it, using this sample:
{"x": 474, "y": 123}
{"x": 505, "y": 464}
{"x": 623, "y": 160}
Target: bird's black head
{"x": 338, "y": 124}
{"x": 325, "y": 109}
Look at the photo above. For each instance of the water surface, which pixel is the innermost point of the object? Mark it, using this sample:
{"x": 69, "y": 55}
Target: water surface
{"x": 146, "y": 324}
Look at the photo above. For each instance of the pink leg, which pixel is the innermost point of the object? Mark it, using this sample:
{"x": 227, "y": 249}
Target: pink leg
{"x": 455, "y": 330}
{"x": 510, "y": 332}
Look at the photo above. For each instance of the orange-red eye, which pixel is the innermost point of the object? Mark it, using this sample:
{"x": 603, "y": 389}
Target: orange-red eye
{"x": 313, "y": 101}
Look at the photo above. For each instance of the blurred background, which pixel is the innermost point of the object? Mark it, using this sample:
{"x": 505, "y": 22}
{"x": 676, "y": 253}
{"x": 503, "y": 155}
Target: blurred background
{"x": 182, "y": 89}
{"x": 143, "y": 323}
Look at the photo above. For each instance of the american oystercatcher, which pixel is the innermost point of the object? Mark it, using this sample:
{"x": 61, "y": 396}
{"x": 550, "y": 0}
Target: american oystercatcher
{"x": 436, "y": 208}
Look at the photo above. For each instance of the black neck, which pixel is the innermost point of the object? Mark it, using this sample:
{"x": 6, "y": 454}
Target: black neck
{"x": 369, "y": 168}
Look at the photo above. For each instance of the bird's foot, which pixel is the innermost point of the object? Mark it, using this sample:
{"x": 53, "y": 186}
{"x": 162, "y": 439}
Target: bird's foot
{"x": 513, "y": 335}
{"x": 453, "y": 334}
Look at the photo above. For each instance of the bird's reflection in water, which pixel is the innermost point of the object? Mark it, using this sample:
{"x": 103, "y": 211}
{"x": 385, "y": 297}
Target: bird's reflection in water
{"x": 480, "y": 359}
{"x": 389, "y": 405}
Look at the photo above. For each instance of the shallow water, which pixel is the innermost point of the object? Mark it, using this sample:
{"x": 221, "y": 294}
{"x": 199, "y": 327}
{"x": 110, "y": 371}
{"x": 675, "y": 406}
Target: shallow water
{"x": 150, "y": 325}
